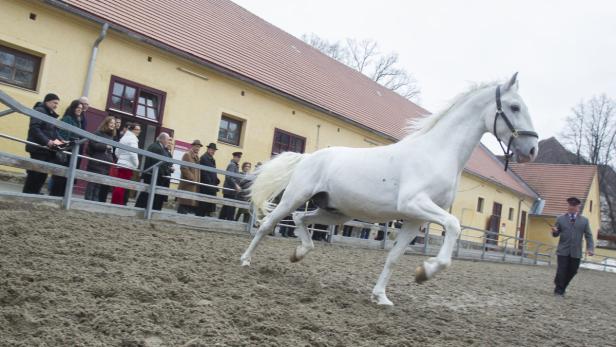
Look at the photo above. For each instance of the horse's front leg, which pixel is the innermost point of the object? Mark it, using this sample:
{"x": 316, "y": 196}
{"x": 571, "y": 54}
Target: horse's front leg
{"x": 405, "y": 236}
{"x": 424, "y": 207}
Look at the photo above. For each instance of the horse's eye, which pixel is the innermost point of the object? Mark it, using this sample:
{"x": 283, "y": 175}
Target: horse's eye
{"x": 515, "y": 108}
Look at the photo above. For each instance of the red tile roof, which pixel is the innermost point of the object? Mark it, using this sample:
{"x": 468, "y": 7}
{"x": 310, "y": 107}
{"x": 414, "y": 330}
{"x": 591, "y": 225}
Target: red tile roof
{"x": 484, "y": 164}
{"x": 556, "y": 182}
{"x": 226, "y": 35}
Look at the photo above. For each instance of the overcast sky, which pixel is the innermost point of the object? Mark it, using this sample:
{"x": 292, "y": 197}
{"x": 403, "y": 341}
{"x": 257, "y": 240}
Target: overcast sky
{"x": 564, "y": 50}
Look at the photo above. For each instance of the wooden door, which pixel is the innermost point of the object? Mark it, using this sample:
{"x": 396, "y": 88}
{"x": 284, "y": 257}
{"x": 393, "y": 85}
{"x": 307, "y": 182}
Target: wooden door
{"x": 522, "y": 230}
{"x": 494, "y": 224}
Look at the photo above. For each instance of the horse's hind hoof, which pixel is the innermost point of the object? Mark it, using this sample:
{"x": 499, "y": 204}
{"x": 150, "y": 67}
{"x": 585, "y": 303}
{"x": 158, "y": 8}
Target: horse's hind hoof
{"x": 420, "y": 274}
{"x": 293, "y": 258}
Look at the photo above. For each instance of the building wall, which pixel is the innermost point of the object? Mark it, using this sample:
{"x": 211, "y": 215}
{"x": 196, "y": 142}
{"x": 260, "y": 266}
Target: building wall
{"x": 470, "y": 189}
{"x": 193, "y": 105}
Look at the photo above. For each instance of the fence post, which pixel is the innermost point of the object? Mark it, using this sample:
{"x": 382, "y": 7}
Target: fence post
{"x": 483, "y": 247}
{"x": 148, "y": 209}
{"x": 385, "y": 231}
{"x": 505, "y": 250}
{"x": 253, "y": 217}
{"x": 457, "y": 254}
{"x": 605, "y": 264}
{"x": 70, "y": 178}
{"x": 426, "y": 239}
{"x": 331, "y": 228}
{"x": 522, "y": 253}
{"x": 537, "y": 253}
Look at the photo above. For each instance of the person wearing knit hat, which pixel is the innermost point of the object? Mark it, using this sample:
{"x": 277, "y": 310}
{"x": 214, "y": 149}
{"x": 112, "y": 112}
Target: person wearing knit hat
{"x": 51, "y": 97}
{"x": 44, "y": 137}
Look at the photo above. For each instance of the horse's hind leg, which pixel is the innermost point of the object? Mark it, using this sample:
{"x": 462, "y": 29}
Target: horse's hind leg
{"x": 302, "y": 219}
{"x": 409, "y": 230}
{"x": 288, "y": 204}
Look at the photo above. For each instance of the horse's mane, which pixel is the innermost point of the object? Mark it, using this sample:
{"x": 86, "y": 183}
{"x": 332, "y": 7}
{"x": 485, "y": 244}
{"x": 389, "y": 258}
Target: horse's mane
{"x": 421, "y": 125}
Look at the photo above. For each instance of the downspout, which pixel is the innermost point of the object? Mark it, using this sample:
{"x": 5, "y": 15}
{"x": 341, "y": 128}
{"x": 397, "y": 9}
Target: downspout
{"x": 101, "y": 36}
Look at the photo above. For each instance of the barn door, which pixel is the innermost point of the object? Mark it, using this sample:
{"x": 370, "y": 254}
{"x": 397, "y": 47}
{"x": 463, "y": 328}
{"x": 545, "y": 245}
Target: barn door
{"x": 494, "y": 224}
{"x": 522, "y": 230}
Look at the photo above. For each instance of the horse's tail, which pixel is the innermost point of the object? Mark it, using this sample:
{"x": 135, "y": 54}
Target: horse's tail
{"x": 272, "y": 178}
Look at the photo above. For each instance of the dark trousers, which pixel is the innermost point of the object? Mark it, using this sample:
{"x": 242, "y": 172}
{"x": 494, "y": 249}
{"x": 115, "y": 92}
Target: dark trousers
{"x": 142, "y": 199}
{"x": 36, "y": 180}
{"x": 206, "y": 208}
{"x": 185, "y": 209}
{"x": 566, "y": 270}
{"x": 228, "y": 212}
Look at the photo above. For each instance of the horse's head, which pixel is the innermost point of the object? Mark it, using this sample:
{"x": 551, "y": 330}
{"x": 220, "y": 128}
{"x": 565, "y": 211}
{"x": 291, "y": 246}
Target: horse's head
{"x": 508, "y": 119}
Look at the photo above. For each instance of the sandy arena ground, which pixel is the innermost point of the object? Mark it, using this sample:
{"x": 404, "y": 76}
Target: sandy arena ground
{"x": 82, "y": 279}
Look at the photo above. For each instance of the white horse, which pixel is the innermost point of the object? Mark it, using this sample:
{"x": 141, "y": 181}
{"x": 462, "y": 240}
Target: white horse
{"x": 413, "y": 180}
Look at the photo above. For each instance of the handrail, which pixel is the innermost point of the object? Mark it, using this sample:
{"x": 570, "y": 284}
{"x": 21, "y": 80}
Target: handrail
{"x": 8, "y": 137}
{"x": 198, "y": 183}
{"x": 16, "y": 106}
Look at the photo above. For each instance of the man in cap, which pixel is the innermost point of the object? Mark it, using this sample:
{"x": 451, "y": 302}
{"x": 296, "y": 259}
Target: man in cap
{"x": 571, "y": 226}
{"x": 190, "y": 174}
{"x": 233, "y": 187}
{"x": 48, "y": 138}
{"x": 210, "y": 178}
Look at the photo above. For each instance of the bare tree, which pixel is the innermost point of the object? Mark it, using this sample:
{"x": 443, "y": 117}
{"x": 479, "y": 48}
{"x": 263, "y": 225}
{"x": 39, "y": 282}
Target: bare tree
{"x": 365, "y": 57}
{"x": 591, "y": 133}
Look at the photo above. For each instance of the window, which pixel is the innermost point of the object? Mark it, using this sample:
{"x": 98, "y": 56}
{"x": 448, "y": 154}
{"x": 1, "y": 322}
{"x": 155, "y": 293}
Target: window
{"x": 230, "y": 130}
{"x": 480, "y": 205}
{"x": 510, "y": 214}
{"x": 18, "y": 68}
{"x": 135, "y": 99}
{"x": 287, "y": 142}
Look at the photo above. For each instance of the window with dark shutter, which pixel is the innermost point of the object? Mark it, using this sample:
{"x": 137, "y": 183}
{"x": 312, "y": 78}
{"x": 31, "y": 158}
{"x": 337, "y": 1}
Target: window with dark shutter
{"x": 287, "y": 142}
{"x": 135, "y": 99}
{"x": 18, "y": 68}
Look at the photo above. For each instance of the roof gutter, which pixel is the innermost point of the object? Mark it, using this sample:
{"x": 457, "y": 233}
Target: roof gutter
{"x": 101, "y": 37}
{"x": 141, "y": 38}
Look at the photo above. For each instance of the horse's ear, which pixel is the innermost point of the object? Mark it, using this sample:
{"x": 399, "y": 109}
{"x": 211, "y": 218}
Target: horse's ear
{"x": 513, "y": 83}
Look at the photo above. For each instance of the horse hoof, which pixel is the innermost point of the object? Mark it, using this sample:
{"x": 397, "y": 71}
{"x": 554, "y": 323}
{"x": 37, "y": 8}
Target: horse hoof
{"x": 294, "y": 258}
{"x": 245, "y": 262}
{"x": 420, "y": 275}
{"x": 381, "y": 299}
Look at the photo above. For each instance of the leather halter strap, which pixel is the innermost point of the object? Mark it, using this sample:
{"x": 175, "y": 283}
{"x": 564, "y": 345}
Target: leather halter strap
{"x": 514, "y": 132}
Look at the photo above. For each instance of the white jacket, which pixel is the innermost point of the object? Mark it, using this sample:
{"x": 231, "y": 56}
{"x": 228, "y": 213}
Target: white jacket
{"x": 125, "y": 158}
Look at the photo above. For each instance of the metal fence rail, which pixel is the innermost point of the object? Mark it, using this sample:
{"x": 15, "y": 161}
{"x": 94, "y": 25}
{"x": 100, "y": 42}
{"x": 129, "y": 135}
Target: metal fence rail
{"x": 71, "y": 172}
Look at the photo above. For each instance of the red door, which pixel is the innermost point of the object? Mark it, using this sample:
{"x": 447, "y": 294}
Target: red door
{"x": 522, "y": 230}
{"x": 94, "y": 118}
{"x": 494, "y": 224}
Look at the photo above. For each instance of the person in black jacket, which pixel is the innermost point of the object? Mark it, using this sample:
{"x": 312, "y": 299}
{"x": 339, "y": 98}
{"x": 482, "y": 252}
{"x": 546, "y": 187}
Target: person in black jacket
{"x": 233, "y": 187}
{"x": 103, "y": 152}
{"x": 210, "y": 178}
{"x": 44, "y": 134}
{"x": 166, "y": 169}
{"x": 244, "y": 194}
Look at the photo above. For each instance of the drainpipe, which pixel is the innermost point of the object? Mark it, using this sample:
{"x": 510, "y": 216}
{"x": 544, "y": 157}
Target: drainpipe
{"x": 101, "y": 36}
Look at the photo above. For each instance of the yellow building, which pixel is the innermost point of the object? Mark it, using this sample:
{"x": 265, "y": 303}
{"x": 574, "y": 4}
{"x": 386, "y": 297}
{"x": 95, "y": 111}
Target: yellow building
{"x": 490, "y": 198}
{"x": 555, "y": 183}
{"x": 220, "y": 75}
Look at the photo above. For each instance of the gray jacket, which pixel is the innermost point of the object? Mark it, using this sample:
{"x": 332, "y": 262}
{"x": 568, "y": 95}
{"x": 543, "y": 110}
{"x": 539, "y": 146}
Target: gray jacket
{"x": 570, "y": 243}
{"x": 231, "y": 182}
